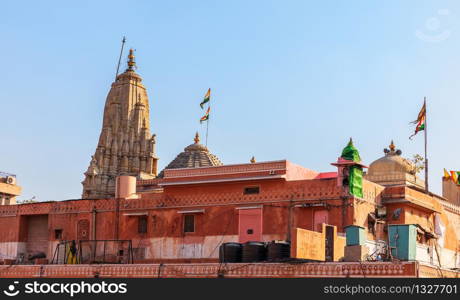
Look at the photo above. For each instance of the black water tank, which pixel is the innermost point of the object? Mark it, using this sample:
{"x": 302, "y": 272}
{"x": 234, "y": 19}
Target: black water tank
{"x": 230, "y": 252}
{"x": 278, "y": 251}
{"x": 254, "y": 252}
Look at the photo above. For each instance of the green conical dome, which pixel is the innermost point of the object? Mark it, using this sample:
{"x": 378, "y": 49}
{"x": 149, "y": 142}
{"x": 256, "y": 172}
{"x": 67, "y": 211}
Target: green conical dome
{"x": 350, "y": 152}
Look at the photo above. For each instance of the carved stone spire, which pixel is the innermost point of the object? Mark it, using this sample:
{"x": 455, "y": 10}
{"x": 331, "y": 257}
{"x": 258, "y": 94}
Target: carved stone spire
{"x": 125, "y": 144}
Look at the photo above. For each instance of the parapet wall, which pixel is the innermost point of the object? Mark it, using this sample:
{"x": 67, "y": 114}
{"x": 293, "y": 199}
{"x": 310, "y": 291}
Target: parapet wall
{"x": 214, "y": 270}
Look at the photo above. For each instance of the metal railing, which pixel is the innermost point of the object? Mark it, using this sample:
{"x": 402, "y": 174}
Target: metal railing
{"x": 93, "y": 252}
{"x": 105, "y": 252}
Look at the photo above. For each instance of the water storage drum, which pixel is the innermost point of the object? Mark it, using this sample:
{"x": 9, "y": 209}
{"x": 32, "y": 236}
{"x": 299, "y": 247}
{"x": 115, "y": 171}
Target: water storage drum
{"x": 254, "y": 251}
{"x": 230, "y": 252}
{"x": 278, "y": 251}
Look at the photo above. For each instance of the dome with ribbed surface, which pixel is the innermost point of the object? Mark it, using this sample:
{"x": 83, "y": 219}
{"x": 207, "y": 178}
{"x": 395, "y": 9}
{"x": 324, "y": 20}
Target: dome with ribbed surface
{"x": 195, "y": 155}
{"x": 393, "y": 169}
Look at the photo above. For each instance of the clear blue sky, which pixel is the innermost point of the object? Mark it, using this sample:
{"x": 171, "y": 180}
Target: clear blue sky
{"x": 290, "y": 79}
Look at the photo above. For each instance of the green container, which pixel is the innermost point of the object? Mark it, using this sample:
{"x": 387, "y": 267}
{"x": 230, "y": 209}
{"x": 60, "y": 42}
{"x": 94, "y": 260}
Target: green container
{"x": 355, "y": 235}
{"x": 402, "y": 241}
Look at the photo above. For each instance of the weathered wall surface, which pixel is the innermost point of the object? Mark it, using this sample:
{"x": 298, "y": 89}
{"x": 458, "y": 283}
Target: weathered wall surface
{"x": 309, "y": 245}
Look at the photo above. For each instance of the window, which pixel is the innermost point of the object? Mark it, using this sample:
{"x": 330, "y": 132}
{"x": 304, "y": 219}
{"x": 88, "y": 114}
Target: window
{"x": 189, "y": 223}
{"x": 142, "y": 224}
{"x": 58, "y": 234}
{"x": 251, "y": 190}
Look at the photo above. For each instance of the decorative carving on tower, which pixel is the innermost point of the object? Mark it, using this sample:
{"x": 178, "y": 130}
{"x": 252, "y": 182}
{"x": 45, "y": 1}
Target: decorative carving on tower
{"x": 126, "y": 146}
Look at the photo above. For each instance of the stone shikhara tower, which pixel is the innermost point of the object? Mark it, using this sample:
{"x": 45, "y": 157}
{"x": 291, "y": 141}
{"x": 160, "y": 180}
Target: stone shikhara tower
{"x": 125, "y": 146}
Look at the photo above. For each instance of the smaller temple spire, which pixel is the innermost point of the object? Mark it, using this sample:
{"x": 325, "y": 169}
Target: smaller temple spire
{"x": 197, "y": 138}
{"x": 131, "y": 61}
{"x": 253, "y": 160}
{"x": 350, "y": 152}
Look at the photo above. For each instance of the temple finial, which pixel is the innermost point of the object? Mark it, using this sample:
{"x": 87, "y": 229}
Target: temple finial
{"x": 392, "y": 150}
{"x": 253, "y": 160}
{"x": 197, "y": 138}
{"x": 392, "y": 146}
{"x": 131, "y": 62}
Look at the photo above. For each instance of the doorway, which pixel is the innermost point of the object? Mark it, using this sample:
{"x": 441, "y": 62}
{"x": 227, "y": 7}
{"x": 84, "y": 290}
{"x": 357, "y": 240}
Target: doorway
{"x": 250, "y": 225}
{"x": 320, "y": 217}
{"x": 329, "y": 255}
{"x": 37, "y": 235}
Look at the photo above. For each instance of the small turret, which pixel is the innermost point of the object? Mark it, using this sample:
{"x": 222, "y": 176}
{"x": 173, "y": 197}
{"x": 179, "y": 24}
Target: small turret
{"x": 350, "y": 170}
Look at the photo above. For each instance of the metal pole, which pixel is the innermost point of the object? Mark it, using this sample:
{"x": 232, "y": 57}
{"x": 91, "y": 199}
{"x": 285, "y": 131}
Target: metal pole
{"x": 93, "y": 231}
{"x": 426, "y": 157}
{"x": 117, "y": 217}
{"x": 121, "y": 53}
{"x": 289, "y": 220}
{"x": 207, "y": 129}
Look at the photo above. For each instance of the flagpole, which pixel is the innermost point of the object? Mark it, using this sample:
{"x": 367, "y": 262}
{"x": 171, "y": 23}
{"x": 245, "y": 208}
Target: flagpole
{"x": 426, "y": 157}
{"x": 121, "y": 53}
{"x": 207, "y": 125}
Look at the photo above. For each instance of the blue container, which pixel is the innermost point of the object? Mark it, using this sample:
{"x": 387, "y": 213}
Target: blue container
{"x": 402, "y": 241}
{"x": 355, "y": 235}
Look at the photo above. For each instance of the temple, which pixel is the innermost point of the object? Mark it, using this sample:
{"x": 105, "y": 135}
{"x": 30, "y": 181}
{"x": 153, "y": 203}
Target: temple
{"x": 125, "y": 145}
{"x": 201, "y": 218}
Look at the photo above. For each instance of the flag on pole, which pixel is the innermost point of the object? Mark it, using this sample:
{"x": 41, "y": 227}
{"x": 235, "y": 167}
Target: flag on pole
{"x": 454, "y": 176}
{"x": 446, "y": 174}
{"x": 420, "y": 122}
{"x": 206, "y": 99}
{"x": 206, "y": 116}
